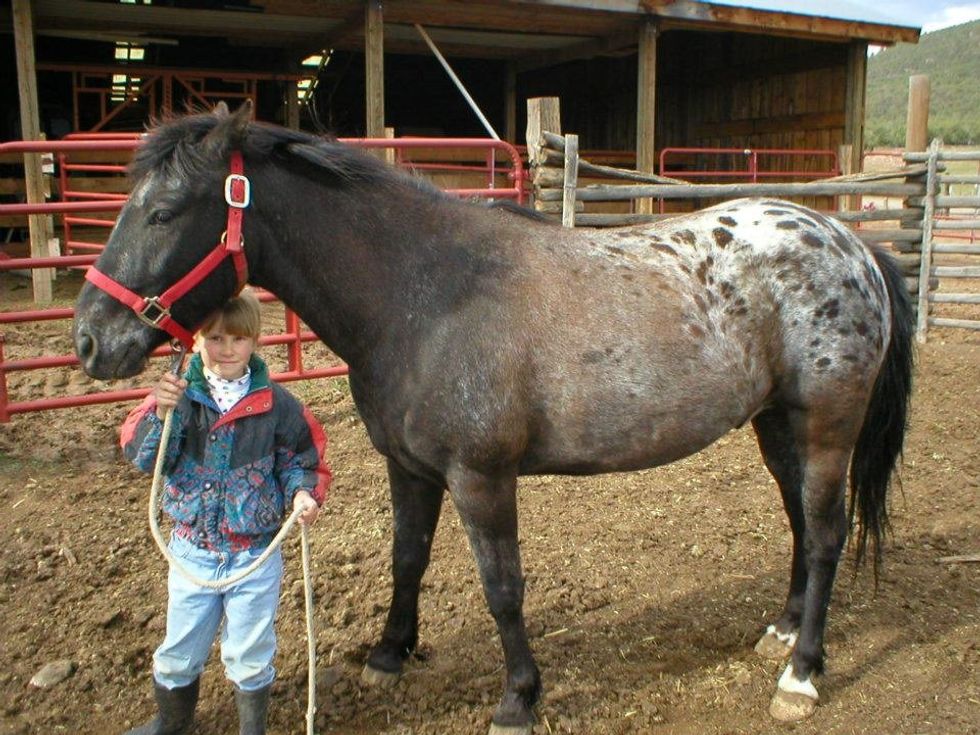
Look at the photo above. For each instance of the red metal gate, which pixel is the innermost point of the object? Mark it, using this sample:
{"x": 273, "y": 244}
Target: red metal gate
{"x": 503, "y": 179}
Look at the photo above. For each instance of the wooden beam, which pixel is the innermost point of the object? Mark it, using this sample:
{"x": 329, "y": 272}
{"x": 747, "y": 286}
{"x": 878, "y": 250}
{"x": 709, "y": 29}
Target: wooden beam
{"x": 727, "y": 17}
{"x": 30, "y": 124}
{"x": 374, "y": 69}
{"x": 583, "y": 50}
{"x": 292, "y": 106}
{"x": 646, "y": 101}
{"x": 510, "y": 103}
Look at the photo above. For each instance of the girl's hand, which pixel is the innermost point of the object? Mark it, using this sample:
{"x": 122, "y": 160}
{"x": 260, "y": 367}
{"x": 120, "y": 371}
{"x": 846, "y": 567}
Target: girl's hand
{"x": 168, "y": 392}
{"x": 305, "y": 502}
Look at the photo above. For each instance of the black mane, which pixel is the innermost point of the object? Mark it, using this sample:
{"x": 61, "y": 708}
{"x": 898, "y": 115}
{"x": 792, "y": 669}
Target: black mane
{"x": 173, "y": 146}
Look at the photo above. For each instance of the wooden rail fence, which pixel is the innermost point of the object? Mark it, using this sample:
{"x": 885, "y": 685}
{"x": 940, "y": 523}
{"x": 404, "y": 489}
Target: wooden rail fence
{"x": 916, "y": 232}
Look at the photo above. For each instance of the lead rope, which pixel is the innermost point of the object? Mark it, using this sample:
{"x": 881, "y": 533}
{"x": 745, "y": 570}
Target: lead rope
{"x": 154, "y": 511}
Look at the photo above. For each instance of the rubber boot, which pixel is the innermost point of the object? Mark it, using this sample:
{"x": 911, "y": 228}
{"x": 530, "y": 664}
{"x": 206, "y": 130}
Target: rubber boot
{"x": 175, "y": 710}
{"x": 252, "y": 710}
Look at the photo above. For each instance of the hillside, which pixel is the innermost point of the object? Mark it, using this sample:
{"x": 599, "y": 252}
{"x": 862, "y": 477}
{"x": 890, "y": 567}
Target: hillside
{"x": 951, "y": 59}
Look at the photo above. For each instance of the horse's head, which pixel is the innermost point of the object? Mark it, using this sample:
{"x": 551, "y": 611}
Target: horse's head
{"x": 174, "y": 219}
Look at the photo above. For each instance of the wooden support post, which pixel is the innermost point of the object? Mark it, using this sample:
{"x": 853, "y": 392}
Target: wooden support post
{"x": 646, "y": 99}
{"x": 917, "y": 119}
{"x": 854, "y": 104}
{"x": 30, "y": 123}
{"x": 570, "y": 182}
{"x": 374, "y": 69}
{"x": 292, "y": 105}
{"x": 925, "y": 255}
{"x": 844, "y": 158}
{"x": 510, "y": 103}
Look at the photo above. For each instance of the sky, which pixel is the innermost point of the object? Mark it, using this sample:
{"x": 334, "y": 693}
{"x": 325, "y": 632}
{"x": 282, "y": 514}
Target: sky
{"x": 929, "y": 15}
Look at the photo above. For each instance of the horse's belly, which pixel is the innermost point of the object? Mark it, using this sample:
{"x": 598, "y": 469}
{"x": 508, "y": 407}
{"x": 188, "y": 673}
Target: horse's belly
{"x": 626, "y": 430}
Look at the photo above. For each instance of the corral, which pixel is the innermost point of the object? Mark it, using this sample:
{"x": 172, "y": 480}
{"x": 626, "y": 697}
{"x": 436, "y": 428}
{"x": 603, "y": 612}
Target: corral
{"x": 643, "y": 598}
{"x": 645, "y": 592}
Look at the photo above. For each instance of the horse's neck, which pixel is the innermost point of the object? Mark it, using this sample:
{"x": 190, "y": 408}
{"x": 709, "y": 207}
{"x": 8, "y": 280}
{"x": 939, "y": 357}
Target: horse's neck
{"x": 358, "y": 273}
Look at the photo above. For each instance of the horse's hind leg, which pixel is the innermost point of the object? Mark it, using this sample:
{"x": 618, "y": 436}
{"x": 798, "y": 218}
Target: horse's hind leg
{"x": 487, "y": 505}
{"x": 777, "y": 441}
{"x": 829, "y": 436}
{"x": 416, "y": 504}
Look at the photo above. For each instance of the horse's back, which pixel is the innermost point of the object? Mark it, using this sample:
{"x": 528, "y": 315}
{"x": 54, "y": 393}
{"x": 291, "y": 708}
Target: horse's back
{"x": 650, "y": 342}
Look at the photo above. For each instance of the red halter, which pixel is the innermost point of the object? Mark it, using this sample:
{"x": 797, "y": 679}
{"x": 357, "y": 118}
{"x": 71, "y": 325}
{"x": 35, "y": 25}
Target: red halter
{"x": 155, "y": 310}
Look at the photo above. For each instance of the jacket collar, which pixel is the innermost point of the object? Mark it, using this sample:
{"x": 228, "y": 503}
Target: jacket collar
{"x": 195, "y": 374}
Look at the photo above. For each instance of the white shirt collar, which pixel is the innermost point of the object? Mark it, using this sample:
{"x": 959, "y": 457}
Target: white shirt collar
{"x": 226, "y": 393}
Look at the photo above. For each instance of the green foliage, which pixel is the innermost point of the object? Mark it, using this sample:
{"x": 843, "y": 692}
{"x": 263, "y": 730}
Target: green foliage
{"x": 951, "y": 59}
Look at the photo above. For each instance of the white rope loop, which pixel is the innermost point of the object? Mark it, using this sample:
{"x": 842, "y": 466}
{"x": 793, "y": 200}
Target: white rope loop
{"x": 234, "y": 579}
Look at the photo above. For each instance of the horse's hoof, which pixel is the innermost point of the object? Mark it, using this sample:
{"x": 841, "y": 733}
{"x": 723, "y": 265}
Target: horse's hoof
{"x": 791, "y": 706}
{"x": 775, "y": 645}
{"x": 509, "y": 729}
{"x": 373, "y": 677}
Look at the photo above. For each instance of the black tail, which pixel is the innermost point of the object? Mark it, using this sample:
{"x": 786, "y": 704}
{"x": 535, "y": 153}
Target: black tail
{"x": 879, "y": 444}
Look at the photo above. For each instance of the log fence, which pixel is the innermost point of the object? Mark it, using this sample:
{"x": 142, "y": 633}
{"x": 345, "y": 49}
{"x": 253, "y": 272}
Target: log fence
{"x": 917, "y": 232}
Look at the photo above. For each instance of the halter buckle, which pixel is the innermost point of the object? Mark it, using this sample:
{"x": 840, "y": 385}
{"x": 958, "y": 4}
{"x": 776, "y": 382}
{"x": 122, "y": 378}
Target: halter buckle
{"x": 224, "y": 239}
{"x": 154, "y": 320}
{"x": 246, "y": 191}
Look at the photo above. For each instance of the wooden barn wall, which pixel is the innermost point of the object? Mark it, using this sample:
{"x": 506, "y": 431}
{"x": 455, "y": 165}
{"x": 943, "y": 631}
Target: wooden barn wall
{"x": 713, "y": 90}
{"x": 598, "y": 100}
{"x": 751, "y": 91}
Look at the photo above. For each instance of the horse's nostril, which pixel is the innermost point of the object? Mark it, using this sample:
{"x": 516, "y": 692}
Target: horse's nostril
{"x": 84, "y": 346}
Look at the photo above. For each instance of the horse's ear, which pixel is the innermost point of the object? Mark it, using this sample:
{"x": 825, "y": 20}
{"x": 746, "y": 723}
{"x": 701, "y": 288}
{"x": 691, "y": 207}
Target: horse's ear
{"x": 229, "y": 132}
{"x": 220, "y": 110}
{"x": 239, "y": 121}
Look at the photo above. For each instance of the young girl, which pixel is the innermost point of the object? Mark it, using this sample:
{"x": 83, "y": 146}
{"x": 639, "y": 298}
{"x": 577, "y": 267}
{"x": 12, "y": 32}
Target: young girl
{"x": 243, "y": 453}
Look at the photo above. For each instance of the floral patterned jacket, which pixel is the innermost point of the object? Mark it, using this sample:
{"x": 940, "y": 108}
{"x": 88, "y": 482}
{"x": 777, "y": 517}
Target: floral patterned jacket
{"x": 231, "y": 479}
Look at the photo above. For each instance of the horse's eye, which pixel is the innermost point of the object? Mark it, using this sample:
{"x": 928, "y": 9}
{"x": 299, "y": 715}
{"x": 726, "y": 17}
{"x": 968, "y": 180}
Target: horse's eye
{"x": 161, "y": 217}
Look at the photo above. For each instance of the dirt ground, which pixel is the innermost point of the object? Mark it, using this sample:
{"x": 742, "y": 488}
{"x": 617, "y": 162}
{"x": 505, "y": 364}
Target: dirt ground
{"x": 645, "y": 591}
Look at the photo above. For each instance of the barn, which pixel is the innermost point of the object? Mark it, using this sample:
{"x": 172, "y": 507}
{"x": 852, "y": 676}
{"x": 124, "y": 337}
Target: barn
{"x": 633, "y": 76}
{"x": 645, "y": 591}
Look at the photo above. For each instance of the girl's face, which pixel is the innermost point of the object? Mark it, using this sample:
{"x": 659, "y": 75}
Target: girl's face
{"x": 226, "y": 355}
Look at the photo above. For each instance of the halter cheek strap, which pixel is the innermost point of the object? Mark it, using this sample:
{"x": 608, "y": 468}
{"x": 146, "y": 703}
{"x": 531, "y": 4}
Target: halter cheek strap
{"x": 155, "y": 310}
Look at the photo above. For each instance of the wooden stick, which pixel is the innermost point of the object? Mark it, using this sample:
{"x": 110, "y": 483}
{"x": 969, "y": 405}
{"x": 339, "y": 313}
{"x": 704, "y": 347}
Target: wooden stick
{"x": 959, "y": 559}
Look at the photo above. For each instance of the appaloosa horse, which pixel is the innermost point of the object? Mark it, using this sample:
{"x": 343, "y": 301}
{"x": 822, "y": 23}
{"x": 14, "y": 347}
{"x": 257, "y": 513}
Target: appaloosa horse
{"x": 484, "y": 345}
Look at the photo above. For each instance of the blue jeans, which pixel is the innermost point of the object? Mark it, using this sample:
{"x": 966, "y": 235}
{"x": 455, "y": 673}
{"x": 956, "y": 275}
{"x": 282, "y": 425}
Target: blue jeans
{"x": 194, "y": 614}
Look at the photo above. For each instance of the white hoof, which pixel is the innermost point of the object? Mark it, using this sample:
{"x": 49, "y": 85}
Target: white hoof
{"x": 509, "y": 730}
{"x": 795, "y": 699}
{"x": 791, "y": 706}
{"x": 775, "y": 645}
{"x": 376, "y": 678}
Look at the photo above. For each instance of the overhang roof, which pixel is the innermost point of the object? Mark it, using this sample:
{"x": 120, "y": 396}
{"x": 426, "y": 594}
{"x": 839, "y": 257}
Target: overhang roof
{"x": 529, "y": 32}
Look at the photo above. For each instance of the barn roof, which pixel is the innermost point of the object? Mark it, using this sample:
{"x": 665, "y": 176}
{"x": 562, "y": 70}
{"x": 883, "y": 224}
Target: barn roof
{"x": 835, "y": 9}
{"x": 530, "y": 32}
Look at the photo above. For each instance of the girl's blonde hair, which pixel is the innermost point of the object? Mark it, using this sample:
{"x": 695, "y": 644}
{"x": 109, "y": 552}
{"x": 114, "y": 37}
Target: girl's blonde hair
{"x": 240, "y": 316}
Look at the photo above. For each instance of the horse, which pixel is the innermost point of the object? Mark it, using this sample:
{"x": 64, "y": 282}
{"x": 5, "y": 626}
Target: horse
{"x": 483, "y": 345}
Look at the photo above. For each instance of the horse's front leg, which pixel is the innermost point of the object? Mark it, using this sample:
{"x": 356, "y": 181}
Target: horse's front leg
{"x": 487, "y": 506}
{"x": 416, "y": 503}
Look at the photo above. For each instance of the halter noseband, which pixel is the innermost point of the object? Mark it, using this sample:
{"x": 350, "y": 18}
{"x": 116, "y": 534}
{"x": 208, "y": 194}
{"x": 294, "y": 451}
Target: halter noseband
{"x": 155, "y": 310}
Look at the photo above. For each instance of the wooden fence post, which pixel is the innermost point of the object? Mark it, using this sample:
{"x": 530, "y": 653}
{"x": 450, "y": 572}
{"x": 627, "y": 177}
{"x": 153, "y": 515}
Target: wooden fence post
{"x": 925, "y": 254}
{"x": 543, "y": 114}
{"x": 917, "y": 119}
{"x": 571, "y": 181}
